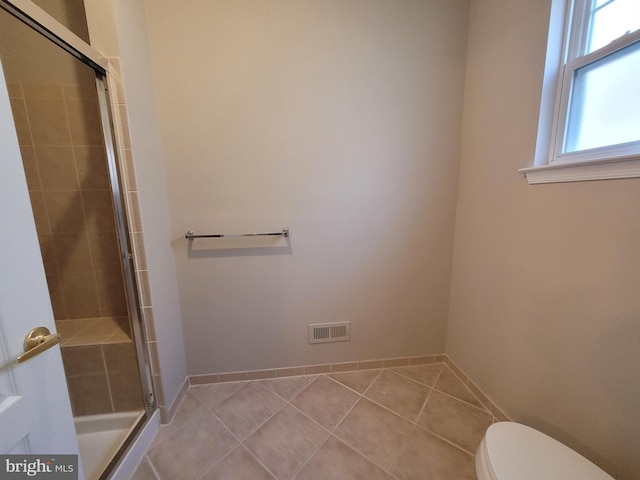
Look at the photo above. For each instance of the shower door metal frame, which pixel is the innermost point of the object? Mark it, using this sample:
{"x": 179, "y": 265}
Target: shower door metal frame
{"x": 43, "y": 23}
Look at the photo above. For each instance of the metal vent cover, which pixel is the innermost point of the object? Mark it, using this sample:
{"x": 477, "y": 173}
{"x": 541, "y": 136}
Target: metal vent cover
{"x": 329, "y": 332}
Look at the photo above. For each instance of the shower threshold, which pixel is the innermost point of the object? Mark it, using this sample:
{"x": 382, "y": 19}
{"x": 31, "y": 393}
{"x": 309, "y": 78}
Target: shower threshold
{"x": 101, "y": 436}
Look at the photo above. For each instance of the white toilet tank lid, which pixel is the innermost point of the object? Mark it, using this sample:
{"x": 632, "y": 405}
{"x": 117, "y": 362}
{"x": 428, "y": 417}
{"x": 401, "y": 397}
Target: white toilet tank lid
{"x": 516, "y": 451}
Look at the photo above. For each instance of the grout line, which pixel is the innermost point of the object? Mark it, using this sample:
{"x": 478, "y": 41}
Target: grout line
{"x": 331, "y": 432}
{"x": 431, "y": 432}
{"x": 106, "y": 374}
{"x": 374, "y": 381}
{"x": 265, "y": 381}
{"x": 415, "y": 424}
{"x": 153, "y": 468}
{"x": 240, "y": 443}
{"x": 482, "y": 409}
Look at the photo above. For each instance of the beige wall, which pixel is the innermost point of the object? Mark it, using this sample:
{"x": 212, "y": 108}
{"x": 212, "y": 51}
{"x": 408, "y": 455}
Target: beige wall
{"x": 544, "y": 301}
{"x": 339, "y": 119}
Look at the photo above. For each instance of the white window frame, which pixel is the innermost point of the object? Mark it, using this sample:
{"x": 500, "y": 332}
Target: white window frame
{"x": 564, "y": 43}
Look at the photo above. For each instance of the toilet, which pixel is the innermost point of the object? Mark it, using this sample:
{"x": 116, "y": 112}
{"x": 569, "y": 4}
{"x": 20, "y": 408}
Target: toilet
{"x": 512, "y": 451}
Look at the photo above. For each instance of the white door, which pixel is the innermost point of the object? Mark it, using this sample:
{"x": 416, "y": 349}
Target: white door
{"x": 35, "y": 411}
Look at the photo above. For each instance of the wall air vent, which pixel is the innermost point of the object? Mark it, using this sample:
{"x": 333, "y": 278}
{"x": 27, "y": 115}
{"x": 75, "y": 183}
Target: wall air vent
{"x": 329, "y": 332}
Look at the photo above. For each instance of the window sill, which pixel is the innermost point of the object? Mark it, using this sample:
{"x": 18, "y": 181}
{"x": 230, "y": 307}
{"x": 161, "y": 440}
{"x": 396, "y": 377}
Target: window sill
{"x": 583, "y": 171}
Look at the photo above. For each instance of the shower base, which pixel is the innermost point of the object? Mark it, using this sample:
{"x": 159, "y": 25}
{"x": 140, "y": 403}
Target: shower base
{"x": 100, "y": 437}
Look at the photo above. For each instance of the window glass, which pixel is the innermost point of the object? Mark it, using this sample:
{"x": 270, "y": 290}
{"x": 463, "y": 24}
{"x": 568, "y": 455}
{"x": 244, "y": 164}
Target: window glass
{"x": 605, "y": 102}
{"x": 611, "y": 19}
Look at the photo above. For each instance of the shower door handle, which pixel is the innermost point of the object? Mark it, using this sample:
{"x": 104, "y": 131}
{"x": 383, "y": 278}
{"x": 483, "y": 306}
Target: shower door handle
{"x": 37, "y": 341}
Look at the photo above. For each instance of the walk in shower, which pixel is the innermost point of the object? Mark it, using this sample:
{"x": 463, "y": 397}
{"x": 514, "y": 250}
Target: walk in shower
{"x": 60, "y": 110}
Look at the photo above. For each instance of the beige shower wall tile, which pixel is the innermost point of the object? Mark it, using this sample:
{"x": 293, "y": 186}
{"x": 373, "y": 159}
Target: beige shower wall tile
{"x": 120, "y": 358}
{"x": 105, "y": 251}
{"x": 155, "y": 358}
{"x": 147, "y": 313}
{"x": 64, "y": 211}
{"x": 56, "y": 296}
{"x": 15, "y": 90}
{"x": 85, "y": 122}
{"x": 123, "y": 137}
{"x": 41, "y": 91}
{"x": 126, "y": 391}
{"x": 98, "y": 207}
{"x": 126, "y": 160}
{"x": 91, "y": 165}
{"x": 57, "y": 167}
{"x": 80, "y": 92}
{"x": 80, "y": 295}
{"x": 133, "y": 212}
{"x": 47, "y": 250}
{"x": 39, "y": 211}
{"x": 111, "y": 293}
{"x": 158, "y": 390}
{"x": 21, "y": 121}
{"x": 83, "y": 360}
{"x": 145, "y": 289}
{"x": 139, "y": 252}
{"x": 72, "y": 252}
{"x": 30, "y": 166}
{"x": 48, "y": 121}
{"x": 89, "y": 394}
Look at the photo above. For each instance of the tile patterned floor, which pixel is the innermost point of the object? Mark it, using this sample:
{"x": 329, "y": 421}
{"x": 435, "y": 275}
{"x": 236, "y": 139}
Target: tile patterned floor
{"x": 418, "y": 422}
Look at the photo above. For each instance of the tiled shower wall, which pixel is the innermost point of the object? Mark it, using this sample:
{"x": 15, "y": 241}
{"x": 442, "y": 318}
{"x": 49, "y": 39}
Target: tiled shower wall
{"x": 130, "y": 189}
{"x": 90, "y": 324}
{"x": 63, "y": 154}
{"x": 102, "y": 378}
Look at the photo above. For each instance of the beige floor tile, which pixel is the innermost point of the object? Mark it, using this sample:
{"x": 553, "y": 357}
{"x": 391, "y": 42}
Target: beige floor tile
{"x": 358, "y": 381}
{"x": 288, "y": 387}
{"x": 397, "y": 393}
{"x": 326, "y": 401}
{"x": 286, "y": 442}
{"x": 238, "y": 465}
{"x": 188, "y": 409}
{"x": 212, "y": 394}
{"x": 144, "y": 471}
{"x": 376, "y": 438}
{"x": 430, "y": 458}
{"x": 335, "y": 460}
{"x": 425, "y": 374}
{"x": 193, "y": 450}
{"x": 374, "y": 431}
{"x": 167, "y": 433}
{"x": 455, "y": 420}
{"x": 451, "y": 384}
{"x": 248, "y": 408}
